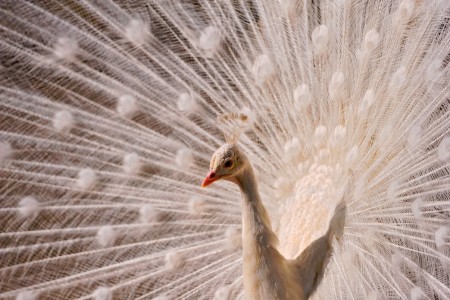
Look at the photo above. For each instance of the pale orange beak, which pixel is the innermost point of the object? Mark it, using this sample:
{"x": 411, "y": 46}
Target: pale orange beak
{"x": 210, "y": 178}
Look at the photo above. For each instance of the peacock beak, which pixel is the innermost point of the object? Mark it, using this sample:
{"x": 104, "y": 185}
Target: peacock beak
{"x": 210, "y": 178}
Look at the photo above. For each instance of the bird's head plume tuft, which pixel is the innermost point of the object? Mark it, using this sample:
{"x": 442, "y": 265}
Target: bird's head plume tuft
{"x": 231, "y": 125}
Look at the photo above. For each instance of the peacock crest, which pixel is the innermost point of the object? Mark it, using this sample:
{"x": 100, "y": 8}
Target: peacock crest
{"x": 232, "y": 125}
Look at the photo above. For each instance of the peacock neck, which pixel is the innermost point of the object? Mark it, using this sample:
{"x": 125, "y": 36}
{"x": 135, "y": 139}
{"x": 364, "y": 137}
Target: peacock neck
{"x": 254, "y": 213}
{"x": 263, "y": 265}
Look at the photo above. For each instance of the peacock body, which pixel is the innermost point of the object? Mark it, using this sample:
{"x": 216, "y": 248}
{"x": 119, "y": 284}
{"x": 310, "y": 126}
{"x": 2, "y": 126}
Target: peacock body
{"x": 108, "y": 119}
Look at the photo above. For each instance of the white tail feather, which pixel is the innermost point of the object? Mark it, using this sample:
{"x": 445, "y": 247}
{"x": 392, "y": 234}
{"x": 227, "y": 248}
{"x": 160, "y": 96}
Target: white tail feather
{"x": 108, "y": 118}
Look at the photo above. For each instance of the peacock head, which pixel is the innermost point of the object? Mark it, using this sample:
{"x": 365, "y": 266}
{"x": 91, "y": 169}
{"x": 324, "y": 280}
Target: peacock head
{"x": 227, "y": 162}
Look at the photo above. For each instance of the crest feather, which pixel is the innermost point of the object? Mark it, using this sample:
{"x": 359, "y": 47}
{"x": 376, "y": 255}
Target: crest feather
{"x": 231, "y": 125}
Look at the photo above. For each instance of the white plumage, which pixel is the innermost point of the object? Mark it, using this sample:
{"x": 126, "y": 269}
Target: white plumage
{"x": 108, "y": 118}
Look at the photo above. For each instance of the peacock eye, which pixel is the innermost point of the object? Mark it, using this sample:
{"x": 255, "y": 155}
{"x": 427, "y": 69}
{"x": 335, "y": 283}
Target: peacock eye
{"x": 228, "y": 164}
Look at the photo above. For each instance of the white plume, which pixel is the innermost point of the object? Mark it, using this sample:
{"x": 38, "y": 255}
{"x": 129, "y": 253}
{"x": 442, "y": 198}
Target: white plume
{"x": 108, "y": 119}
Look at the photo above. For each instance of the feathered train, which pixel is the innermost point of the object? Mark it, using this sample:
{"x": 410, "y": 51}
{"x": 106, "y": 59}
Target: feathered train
{"x": 108, "y": 117}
